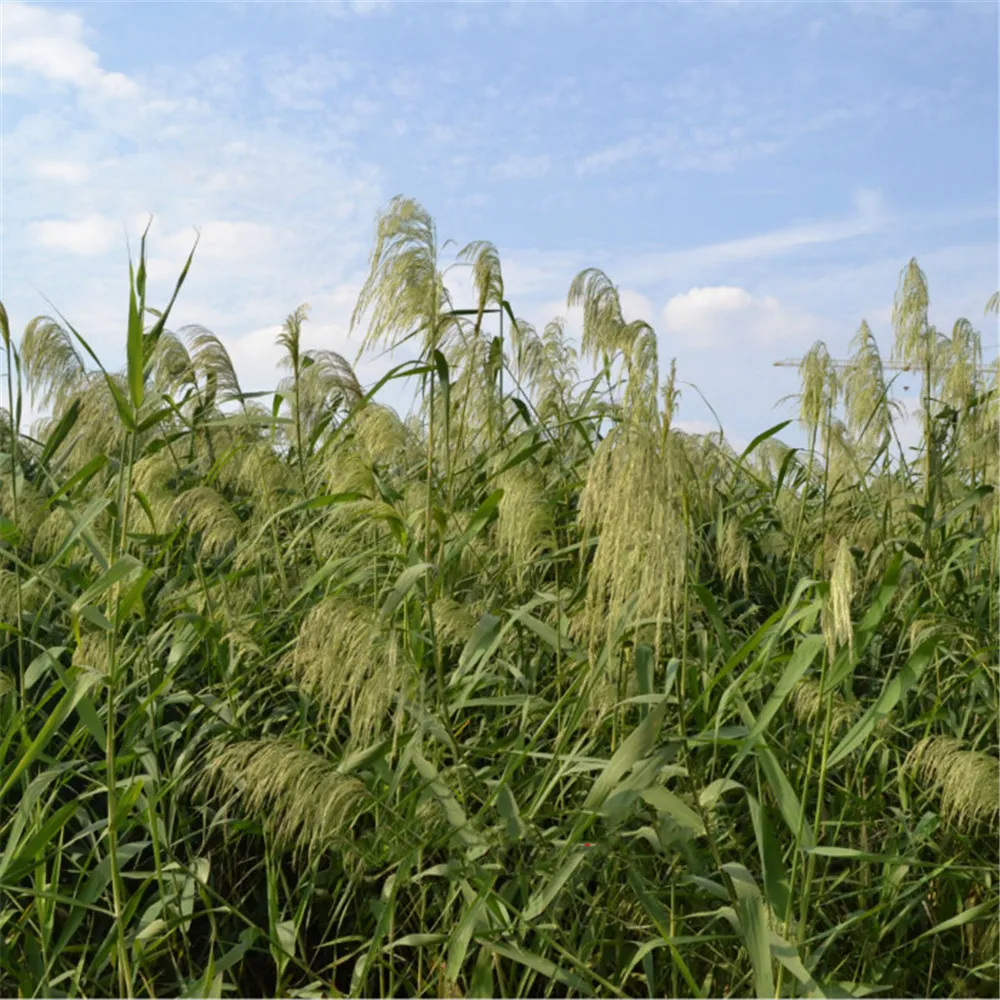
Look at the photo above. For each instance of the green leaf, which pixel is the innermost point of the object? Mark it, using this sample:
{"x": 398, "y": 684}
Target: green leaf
{"x": 799, "y": 663}
{"x": 158, "y": 327}
{"x": 134, "y": 341}
{"x": 47, "y": 659}
{"x": 79, "y": 685}
{"x": 887, "y": 700}
{"x": 762, "y": 437}
{"x": 538, "y": 964}
{"x": 9, "y": 532}
{"x": 14, "y": 867}
{"x": 453, "y": 811}
{"x": 638, "y": 744}
{"x": 754, "y": 928}
{"x": 390, "y": 889}
{"x": 769, "y": 848}
{"x": 543, "y": 896}
{"x": 479, "y": 641}
{"x": 545, "y": 632}
{"x": 478, "y": 521}
{"x": 285, "y": 931}
{"x": 80, "y": 478}
{"x": 661, "y": 919}
{"x": 877, "y": 608}
{"x": 667, "y": 803}
{"x": 121, "y": 403}
{"x": 403, "y": 584}
{"x": 965, "y": 917}
{"x": 60, "y": 431}
{"x": 971, "y": 499}
{"x": 507, "y": 807}
{"x": 125, "y": 568}
{"x": 461, "y": 937}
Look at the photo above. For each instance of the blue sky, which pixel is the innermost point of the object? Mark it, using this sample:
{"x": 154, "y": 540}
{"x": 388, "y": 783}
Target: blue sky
{"x": 753, "y": 176}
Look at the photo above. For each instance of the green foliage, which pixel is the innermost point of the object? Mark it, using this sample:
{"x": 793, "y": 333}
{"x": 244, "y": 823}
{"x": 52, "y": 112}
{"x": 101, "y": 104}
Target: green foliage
{"x": 529, "y": 693}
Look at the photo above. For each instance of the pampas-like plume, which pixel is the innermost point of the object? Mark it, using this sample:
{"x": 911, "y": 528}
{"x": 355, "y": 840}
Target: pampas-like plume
{"x": 404, "y": 291}
{"x": 820, "y": 385}
{"x": 172, "y": 368}
{"x": 602, "y": 314}
{"x": 153, "y": 476}
{"x": 345, "y": 471}
{"x": 915, "y": 339}
{"x": 344, "y": 659}
{"x": 967, "y": 781}
{"x": 30, "y": 507}
{"x": 487, "y": 275}
{"x": 32, "y": 593}
{"x": 837, "y": 627}
{"x": 963, "y": 360}
{"x": 298, "y": 796}
{"x": 211, "y": 360}
{"x": 606, "y": 334}
{"x": 545, "y": 364}
{"x": 733, "y": 551}
{"x": 809, "y": 709}
{"x": 632, "y": 500}
{"x": 256, "y": 469}
{"x": 524, "y": 519}
{"x": 453, "y": 622}
{"x": 380, "y": 433}
{"x": 92, "y": 651}
{"x": 869, "y": 409}
{"x": 54, "y": 367}
{"x": 55, "y": 529}
{"x": 206, "y": 511}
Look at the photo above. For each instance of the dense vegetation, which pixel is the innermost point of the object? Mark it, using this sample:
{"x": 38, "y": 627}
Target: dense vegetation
{"x": 528, "y": 694}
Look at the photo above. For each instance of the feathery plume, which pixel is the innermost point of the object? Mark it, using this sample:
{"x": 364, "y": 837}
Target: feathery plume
{"x": 967, "y": 781}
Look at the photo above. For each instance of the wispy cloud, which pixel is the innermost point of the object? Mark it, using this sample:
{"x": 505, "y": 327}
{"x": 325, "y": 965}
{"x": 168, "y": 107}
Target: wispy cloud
{"x": 303, "y": 84}
{"x": 266, "y": 200}
{"x": 43, "y": 44}
{"x": 519, "y": 167}
{"x": 868, "y": 218}
{"x": 62, "y": 171}
{"x": 609, "y": 156}
{"x": 91, "y": 236}
{"x": 734, "y": 200}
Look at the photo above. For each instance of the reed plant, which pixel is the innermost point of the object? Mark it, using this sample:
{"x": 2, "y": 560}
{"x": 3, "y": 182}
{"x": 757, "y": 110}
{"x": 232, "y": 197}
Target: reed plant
{"x": 526, "y": 693}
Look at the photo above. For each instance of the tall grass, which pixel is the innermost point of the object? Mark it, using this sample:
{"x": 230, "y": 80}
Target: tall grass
{"x": 528, "y": 694}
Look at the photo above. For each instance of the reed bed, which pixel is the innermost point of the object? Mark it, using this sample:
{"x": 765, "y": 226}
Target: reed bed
{"x": 529, "y": 693}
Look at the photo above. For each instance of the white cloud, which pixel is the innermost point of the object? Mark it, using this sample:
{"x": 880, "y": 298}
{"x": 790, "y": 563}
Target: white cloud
{"x": 367, "y": 7}
{"x": 45, "y": 43}
{"x": 635, "y": 306}
{"x": 892, "y": 13}
{"x": 304, "y": 84}
{"x": 816, "y": 28}
{"x": 517, "y": 167}
{"x": 653, "y": 267}
{"x": 90, "y": 236}
{"x": 66, "y": 171}
{"x": 696, "y": 426}
{"x": 222, "y": 241}
{"x": 868, "y": 203}
{"x": 406, "y": 86}
{"x": 265, "y": 202}
{"x": 726, "y": 315}
{"x": 610, "y": 156}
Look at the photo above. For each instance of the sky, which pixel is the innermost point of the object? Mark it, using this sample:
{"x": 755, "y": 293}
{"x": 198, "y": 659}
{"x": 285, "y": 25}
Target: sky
{"x": 752, "y": 176}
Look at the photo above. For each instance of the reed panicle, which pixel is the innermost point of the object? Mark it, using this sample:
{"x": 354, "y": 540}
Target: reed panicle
{"x": 966, "y": 781}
